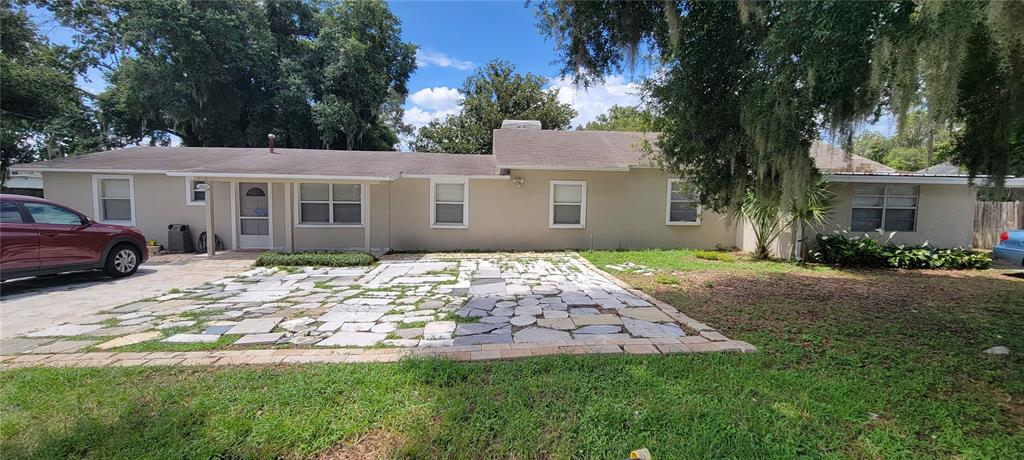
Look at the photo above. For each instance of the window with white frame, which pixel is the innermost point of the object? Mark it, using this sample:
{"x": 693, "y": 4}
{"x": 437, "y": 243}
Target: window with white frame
{"x": 115, "y": 199}
{"x": 330, "y": 204}
{"x": 449, "y": 203}
{"x": 568, "y": 204}
{"x": 194, "y": 197}
{"x": 889, "y": 207}
{"x": 682, "y": 208}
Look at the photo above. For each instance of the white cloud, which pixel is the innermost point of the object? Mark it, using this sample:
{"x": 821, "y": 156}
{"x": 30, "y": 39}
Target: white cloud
{"x": 593, "y": 101}
{"x": 437, "y": 98}
{"x": 426, "y": 58}
{"x": 430, "y": 103}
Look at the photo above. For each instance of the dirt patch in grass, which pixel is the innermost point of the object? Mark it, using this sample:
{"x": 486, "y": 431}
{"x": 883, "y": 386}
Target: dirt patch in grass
{"x": 376, "y": 444}
{"x": 775, "y": 302}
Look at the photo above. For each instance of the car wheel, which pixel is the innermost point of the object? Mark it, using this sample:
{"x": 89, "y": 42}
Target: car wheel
{"x": 122, "y": 261}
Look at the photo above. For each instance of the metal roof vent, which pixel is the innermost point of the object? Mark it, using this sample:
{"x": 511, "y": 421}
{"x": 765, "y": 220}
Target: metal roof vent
{"x": 521, "y": 124}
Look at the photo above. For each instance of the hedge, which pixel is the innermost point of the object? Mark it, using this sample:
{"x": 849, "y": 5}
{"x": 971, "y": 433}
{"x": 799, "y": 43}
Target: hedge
{"x": 315, "y": 259}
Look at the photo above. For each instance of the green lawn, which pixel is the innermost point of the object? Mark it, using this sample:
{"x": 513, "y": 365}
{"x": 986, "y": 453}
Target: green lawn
{"x": 861, "y": 364}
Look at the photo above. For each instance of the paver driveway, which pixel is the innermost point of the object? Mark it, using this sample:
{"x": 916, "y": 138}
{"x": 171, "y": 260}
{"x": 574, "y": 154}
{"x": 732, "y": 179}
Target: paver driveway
{"x": 33, "y": 304}
{"x": 410, "y": 302}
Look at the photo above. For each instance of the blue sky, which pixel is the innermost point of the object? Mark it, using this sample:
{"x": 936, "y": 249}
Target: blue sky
{"x": 453, "y": 39}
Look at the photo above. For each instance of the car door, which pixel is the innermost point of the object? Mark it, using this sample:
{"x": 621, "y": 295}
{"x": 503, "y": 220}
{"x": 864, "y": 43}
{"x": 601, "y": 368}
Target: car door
{"x": 63, "y": 236}
{"x": 20, "y": 248}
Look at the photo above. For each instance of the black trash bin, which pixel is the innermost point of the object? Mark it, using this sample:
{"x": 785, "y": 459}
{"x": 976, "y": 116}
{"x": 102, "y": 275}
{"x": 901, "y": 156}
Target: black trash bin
{"x": 179, "y": 238}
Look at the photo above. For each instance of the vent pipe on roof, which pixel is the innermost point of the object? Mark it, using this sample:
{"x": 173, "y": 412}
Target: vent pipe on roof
{"x": 521, "y": 124}
{"x": 270, "y": 138}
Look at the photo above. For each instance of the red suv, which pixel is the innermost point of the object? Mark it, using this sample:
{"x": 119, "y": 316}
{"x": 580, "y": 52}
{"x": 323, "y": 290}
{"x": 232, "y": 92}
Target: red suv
{"x": 40, "y": 237}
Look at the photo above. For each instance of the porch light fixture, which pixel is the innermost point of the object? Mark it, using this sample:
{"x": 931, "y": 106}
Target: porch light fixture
{"x": 519, "y": 181}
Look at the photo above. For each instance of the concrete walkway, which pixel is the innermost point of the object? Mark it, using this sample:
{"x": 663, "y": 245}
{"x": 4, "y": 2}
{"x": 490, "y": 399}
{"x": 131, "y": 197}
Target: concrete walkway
{"x": 34, "y": 304}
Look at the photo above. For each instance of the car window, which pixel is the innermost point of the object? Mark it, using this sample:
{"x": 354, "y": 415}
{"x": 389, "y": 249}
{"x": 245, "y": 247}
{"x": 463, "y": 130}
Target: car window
{"x": 44, "y": 213}
{"x": 9, "y": 212}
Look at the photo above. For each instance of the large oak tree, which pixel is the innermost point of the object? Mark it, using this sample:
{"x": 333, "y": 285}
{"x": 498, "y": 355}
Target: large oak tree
{"x": 746, "y": 87}
{"x": 227, "y": 73}
{"x": 42, "y": 114}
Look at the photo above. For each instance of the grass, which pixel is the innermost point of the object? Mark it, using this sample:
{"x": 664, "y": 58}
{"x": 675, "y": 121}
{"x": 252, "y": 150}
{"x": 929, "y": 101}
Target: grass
{"x": 688, "y": 260}
{"x": 852, "y": 364}
{"x": 314, "y": 259}
{"x": 721, "y": 256}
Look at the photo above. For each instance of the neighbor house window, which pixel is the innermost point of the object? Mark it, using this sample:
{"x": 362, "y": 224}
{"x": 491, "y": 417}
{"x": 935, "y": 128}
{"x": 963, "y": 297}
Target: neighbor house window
{"x": 194, "y": 197}
{"x": 330, "y": 204}
{"x": 115, "y": 199}
{"x": 889, "y": 207}
{"x": 568, "y": 204}
{"x": 449, "y": 207}
{"x": 682, "y": 208}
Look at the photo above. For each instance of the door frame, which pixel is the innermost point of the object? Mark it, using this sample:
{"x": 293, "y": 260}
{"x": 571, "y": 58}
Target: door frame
{"x": 236, "y": 211}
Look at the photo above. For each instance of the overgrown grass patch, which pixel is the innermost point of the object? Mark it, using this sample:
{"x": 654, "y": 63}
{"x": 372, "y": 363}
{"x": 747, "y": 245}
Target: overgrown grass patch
{"x": 314, "y": 259}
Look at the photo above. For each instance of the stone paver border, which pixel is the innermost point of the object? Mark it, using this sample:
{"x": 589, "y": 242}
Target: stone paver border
{"x": 486, "y": 352}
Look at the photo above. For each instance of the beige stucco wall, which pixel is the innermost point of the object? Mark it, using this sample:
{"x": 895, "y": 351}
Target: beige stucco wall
{"x": 945, "y": 215}
{"x": 624, "y": 210}
{"x": 159, "y": 202}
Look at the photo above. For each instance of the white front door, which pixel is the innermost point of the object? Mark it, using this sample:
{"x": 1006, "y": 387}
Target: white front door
{"x": 254, "y": 215}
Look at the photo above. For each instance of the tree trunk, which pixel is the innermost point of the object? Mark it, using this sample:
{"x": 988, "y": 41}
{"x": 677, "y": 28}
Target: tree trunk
{"x": 929, "y": 147}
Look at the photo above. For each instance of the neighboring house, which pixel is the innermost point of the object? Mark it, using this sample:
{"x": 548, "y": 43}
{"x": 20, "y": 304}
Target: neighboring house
{"x": 539, "y": 190}
{"x": 946, "y": 168}
{"x": 24, "y": 183}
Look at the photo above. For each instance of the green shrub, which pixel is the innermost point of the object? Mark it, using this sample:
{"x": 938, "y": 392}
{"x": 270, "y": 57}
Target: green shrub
{"x": 714, "y": 255}
{"x": 315, "y": 259}
{"x": 843, "y": 251}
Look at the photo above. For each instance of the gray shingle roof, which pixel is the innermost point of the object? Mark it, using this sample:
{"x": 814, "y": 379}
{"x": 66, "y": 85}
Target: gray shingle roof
{"x": 513, "y": 148}
{"x": 286, "y": 162}
{"x": 835, "y": 160}
{"x": 550, "y": 149}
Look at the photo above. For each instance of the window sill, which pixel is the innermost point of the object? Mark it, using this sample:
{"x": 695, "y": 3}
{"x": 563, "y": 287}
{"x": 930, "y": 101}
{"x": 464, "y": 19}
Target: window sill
{"x": 683, "y": 224}
{"x": 196, "y": 203}
{"x": 329, "y": 226}
{"x": 456, "y": 226}
{"x": 576, "y": 226}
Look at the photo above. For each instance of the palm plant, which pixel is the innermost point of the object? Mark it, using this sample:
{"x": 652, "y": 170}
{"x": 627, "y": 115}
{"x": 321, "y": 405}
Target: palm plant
{"x": 768, "y": 217}
{"x": 812, "y": 214}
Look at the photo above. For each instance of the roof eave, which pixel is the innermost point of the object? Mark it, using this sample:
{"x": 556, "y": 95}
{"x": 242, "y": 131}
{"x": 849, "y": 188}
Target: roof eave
{"x": 917, "y": 178}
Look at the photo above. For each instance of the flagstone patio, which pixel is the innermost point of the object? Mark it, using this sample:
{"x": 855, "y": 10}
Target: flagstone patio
{"x": 443, "y": 303}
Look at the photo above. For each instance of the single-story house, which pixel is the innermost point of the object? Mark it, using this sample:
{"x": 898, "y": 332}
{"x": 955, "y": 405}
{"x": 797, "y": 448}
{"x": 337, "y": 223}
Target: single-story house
{"x": 540, "y": 189}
